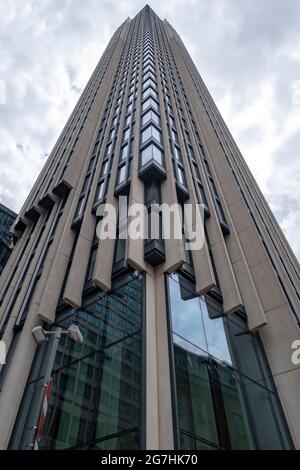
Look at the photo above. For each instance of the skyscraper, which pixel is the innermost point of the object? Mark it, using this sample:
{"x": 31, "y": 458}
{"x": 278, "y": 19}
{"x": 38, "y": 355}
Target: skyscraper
{"x": 184, "y": 349}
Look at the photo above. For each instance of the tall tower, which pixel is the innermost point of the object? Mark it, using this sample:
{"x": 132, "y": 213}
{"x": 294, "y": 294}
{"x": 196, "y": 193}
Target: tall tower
{"x": 182, "y": 349}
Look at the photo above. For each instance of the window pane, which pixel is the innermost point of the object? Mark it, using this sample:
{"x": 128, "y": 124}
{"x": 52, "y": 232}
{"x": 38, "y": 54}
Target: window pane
{"x": 197, "y": 171}
{"x": 91, "y": 265}
{"x": 174, "y": 135}
{"x": 100, "y": 191}
{"x": 126, "y": 134}
{"x": 150, "y": 102}
{"x": 108, "y": 149}
{"x": 149, "y": 92}
{"x": 181, "y": 176}
{"x": 128, "y": 119}
{"x": 149, "y": 82}
{"x": 202, "y": 195}
{"x": 238, "y": 429}
{"x": 151, "y": 152}
{"x": 122, "y": 174}
{"x": 177, "y": 153}
{"x": 118, "y": 407}
{"x": 79, "y": 207}
{"x": 194, "y": 394}
{"x": 263, "y": 415}
{"x": 104, "y": 168}
{"x": 215, "y": 331}
{"x": 124, "y": 152}
{"x": 146, "y": 134}
{"x": 150, "y": 115}
{"x": 149, "y": 132}
{"x": 157, "y": 155}
{"x": 147, "y": 155}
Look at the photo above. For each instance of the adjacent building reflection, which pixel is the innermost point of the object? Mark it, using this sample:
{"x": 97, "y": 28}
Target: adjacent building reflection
{"x": 95, "y": 401}
{"x": 225, "y": 397}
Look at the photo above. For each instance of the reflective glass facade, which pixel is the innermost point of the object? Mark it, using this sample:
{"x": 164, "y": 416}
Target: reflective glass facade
{"x": 95, "y": 398}
{"x": 225, "y": 397}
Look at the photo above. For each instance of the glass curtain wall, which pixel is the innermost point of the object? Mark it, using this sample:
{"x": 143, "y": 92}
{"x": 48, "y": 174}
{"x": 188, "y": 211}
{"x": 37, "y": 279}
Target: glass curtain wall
{"x": 225, "y": 397}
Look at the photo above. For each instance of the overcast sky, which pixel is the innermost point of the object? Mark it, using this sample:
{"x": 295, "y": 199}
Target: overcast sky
{"x": 247, "y": 51}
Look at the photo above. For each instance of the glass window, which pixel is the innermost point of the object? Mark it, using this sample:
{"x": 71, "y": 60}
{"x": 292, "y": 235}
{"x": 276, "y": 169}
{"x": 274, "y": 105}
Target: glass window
{"x": 202, "y": 195}
{"x": 149, "y": 68}
{"x": 217, "y": 342}
{"x": 181, "y": 176}
{"x": 188, "y": 137}
{"x": 128, "y": 120}
{"x": 196, "y": 170}
{"x": 149, "y": 75}
{"x": 150, "y": 102}
{"x": 85, "y": 184}
{"x": 151, "y": 153}
{"x": 214, "y": 400}
{"x": 80, "y": 207}
{"x": 100, "y": 191}
{"x": 105, "y": 167}
{"x": 111, "y": 134}
{"x": 187, "y": 321}
{"x": 151, "y": 132}
{"x": 124, "y": 152}
{"x": 149, "y": 92}
{"x": 149, "y": 83}
{"x": 149, "y": 61}
{"x": 194, "y": 394}
{"x": 174, "y": 135}
{"x": 177, "y": 153}
{"x": 92, "y": 262}
{"x": 172, "y": 120}
{"x": 130, "y": 107}
{"x": 122, "y": 174}
{"x": 109, "y": 149}
{"x": 126, "y": 134}
{"x": 150, "y": 116}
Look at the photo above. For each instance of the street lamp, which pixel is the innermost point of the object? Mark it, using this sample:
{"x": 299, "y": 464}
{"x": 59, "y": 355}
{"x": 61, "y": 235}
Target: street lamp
{"x": 40, "y": 335}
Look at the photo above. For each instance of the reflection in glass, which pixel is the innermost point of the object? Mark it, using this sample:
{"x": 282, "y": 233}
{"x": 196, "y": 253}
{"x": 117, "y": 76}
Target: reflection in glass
{"x": 221, "y": 403}
{"x": 186, "y": 317}
{"x": 96, "y": 385}
{"x": 217, "y": 343}
{"x": 151, "y": 153}
{"x": 194, "y": 395}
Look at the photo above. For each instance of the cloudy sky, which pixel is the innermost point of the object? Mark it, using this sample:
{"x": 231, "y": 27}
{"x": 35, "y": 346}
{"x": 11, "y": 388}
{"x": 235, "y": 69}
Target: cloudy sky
{"x": 247, "y": 51}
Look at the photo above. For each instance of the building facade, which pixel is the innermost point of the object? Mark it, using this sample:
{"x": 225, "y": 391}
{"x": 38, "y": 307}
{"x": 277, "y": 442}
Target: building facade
{"x": 7, "y": 218}
{"x": 182, "y": 349}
